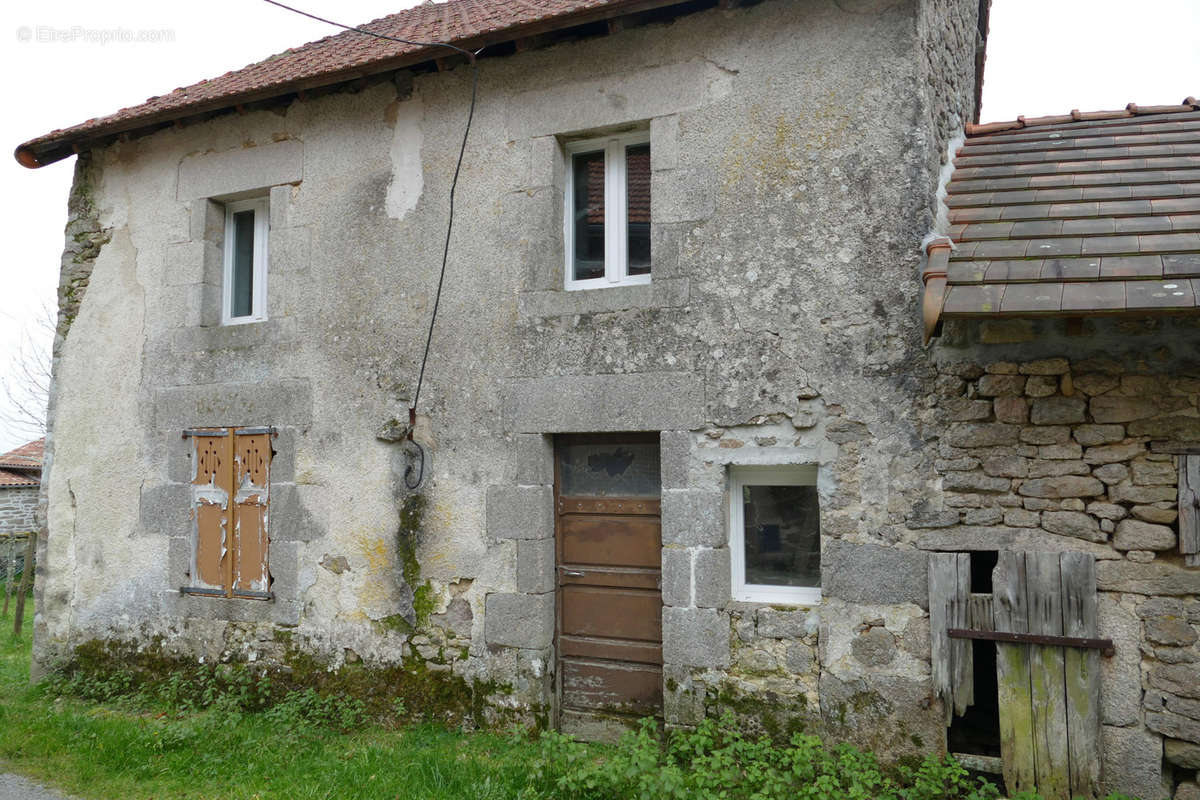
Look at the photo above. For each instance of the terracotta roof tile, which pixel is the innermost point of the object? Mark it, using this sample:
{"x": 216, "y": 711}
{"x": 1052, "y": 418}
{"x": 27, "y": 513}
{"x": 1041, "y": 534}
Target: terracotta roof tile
{"x": 344, "y": 56}
{"x": 1077, "y": 214}
{"x": 27, "y": 456}
{"x": 12, "y": 479}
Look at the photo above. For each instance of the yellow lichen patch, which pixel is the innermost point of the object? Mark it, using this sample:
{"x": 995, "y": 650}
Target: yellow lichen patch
{"x": 771, "y": 150}
{"x": 441, "y": 514}
{"x": 375, "y": 551}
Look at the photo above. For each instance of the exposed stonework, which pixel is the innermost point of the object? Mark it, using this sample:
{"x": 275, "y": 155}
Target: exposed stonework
{"x": 18, "y": 508}
{"x": 1081, "y": 472}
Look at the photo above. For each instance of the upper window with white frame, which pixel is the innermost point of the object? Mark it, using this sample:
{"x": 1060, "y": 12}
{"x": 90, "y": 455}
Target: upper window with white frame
{"x": 244, "y": 285}
{"x": 775, "y": 534}
{"x": 607, "y": 226}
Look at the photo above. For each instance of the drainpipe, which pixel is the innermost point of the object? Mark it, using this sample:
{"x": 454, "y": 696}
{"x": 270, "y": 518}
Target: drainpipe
{"x": 933, "y": 275}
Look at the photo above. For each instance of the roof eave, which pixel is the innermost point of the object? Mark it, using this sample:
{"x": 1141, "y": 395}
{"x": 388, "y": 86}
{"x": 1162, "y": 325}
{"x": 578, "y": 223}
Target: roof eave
{"x": 41, "y": 151}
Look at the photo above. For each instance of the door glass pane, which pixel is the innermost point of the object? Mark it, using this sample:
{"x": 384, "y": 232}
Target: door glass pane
{"x": 637, "y": 185}
{"x": 242, "y": 278}
{"x": 783, "y": 535}
{"x": 588, "y": 208}
{"x": 613, "y": 470}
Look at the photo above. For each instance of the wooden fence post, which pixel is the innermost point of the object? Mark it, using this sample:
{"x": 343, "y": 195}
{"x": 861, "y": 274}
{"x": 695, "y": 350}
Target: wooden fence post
{"x": 9, "y": 567}
{"x": 26, "y": 583}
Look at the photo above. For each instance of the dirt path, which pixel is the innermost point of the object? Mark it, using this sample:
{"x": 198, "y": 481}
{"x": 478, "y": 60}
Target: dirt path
{"x": 14, "y": 787}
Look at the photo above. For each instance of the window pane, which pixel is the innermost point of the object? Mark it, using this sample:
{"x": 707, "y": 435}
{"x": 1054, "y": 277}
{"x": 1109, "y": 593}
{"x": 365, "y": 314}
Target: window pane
{"x": 242, "y": 300}
{"x": 637, "y": 185}
{"x": 783, "y": 535}
{"x": 615, "y": 470}
{"x": 588, "y": 208}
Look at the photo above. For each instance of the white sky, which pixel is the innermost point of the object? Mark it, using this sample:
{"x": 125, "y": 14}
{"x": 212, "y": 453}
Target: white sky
{"x": 1044, "y": 57}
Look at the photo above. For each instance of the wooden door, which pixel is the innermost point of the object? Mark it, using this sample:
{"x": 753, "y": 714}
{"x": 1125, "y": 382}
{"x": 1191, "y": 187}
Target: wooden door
{"x": 1042, "y": 616}
{"x": 609, "y": 598}
{"x": 1049, "y": 694}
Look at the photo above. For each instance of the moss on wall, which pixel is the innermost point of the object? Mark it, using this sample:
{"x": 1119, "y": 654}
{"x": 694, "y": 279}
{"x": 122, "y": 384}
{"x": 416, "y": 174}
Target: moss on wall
{"x": 109, "y": 669}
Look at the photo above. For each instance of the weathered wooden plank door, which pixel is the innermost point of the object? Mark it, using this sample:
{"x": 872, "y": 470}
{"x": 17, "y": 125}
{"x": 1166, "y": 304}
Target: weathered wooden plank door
{"x": 1049, "y": 694}
{"x": 1189, "y": 508}
{"x": 609, "y": 558}
{"x": 949, "y": 602}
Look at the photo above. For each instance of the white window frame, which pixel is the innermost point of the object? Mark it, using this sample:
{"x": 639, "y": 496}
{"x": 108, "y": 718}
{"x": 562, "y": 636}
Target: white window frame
{"x": 616, "y": 226}
{"x": 258, "y": 301}
{"x": 740, "y": 477}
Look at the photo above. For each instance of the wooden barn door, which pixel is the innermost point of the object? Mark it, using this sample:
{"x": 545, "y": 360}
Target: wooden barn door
{"x": 609, "y": 557}
{"x": 1043, "y": 620}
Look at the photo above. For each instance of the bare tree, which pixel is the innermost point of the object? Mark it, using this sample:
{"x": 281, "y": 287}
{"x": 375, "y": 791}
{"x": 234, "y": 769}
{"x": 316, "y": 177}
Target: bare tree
{"x": 25, "y": 384}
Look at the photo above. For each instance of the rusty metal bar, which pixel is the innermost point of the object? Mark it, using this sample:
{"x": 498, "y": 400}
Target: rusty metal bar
{"x": 1105, "y": 646}
{"x": 267, "y": 429}
{"x": 261, "y": 429}
{"x": 250, "y": 594}
{"x": 1175, "y": 448}
{"x": 201, "y": 590}
{"x": 240, "y": 594}
{"x": 205, "y": 432}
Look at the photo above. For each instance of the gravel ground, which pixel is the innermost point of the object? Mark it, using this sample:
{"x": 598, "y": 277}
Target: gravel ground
{"x": 14, "y": 787}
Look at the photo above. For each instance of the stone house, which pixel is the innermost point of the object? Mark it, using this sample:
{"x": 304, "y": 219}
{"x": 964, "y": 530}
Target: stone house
{"x": 685, "y": 441}
{"x": 20, "y": 477}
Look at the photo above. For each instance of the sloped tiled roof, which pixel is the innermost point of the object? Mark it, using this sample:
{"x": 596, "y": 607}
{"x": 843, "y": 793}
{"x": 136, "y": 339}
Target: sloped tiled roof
{"x": 27, "y": 456}
{"x": 344, "y": 56}
{"x": 1077, "y": 215}
{"x": 15, "y": 479}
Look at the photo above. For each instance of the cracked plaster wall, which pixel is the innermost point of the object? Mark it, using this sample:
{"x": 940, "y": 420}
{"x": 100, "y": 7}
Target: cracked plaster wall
{"x": 795, "y": 148}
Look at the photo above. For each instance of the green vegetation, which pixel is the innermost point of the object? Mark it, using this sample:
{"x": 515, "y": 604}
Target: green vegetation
{"x": 412, "y": 511}
{"x": 136, "y": 677}
{"x": 228, "y": 732}
{"x": 200, "y": 742}
{"x": 716, "y": 760}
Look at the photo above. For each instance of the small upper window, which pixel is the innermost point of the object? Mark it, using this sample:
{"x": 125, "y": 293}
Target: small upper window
{"x": 607, "y": 232}
{"x": 775, "y": 534}
{"x": 244, "y": 292}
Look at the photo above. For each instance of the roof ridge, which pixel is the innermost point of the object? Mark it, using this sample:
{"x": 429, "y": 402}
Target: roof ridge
{"x": 1131, "y": 110}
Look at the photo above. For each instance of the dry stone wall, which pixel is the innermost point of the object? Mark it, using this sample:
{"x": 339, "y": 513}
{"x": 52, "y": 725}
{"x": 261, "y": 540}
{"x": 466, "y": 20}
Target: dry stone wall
{"x": 18, "y": 508}
{"x": 1051, "y": 454}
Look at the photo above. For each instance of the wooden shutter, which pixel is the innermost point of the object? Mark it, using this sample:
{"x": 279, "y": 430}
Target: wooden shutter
{"x": 1189, "y": 509}
{"x": 252, "y": 466}
{"x": 230, "y": 500}
{"x": 212, "y": 486}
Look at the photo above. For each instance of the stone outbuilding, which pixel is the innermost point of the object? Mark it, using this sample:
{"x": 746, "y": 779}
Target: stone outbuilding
{"x": 20, "y": 477}
{"x": 761, "y": 379}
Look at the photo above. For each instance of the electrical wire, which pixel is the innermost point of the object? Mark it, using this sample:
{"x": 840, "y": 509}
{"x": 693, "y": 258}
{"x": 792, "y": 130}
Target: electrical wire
{"x": 412, "y": 410}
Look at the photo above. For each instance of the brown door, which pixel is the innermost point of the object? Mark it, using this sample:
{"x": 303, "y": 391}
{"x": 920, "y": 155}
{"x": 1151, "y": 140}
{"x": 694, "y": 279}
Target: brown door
{"x": 609, "y": 556}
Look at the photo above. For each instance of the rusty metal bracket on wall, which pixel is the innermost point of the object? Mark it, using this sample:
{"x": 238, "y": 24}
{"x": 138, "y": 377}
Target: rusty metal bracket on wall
{"x": 1105, "y": 646}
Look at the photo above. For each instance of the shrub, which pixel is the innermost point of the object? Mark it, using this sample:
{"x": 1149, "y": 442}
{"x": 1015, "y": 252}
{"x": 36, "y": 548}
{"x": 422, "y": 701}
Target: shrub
{"x": 306, "y": 708}
{"x": 716, "y": 760}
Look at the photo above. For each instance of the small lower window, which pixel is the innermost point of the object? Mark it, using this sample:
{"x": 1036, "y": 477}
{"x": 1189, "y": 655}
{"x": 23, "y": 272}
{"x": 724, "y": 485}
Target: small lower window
{"x": 244, "y": 291}
{"x": 775, "y": 534}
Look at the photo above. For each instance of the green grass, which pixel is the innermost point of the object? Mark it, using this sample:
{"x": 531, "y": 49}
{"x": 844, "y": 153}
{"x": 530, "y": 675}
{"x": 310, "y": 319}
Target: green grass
{"x": 107, "y": 751}
{"x": 307, "y": 745}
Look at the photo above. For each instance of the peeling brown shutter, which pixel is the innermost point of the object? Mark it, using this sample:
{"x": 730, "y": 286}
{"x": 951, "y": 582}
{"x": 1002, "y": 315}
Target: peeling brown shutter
{"x": 211, "y": 489}
{"x": 252, "y": 465}
{"x": 1189, "y": 509}
{"x": 230, "y": 494}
